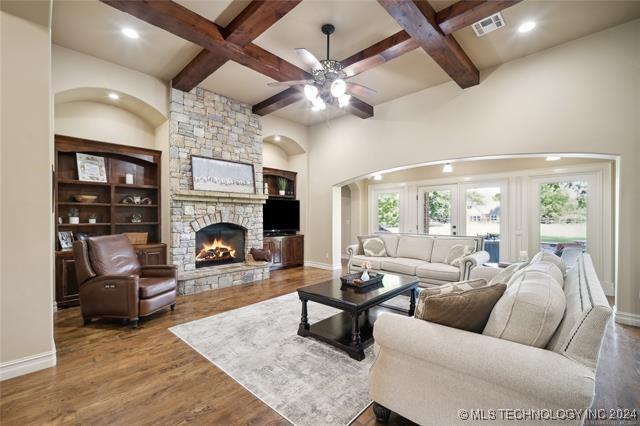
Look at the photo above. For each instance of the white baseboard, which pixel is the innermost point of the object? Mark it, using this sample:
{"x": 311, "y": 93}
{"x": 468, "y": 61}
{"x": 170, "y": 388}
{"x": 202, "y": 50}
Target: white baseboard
{"x": 325, "y": 266}
{"x": 627, "y": 318}
{"x": 27, "y": 365}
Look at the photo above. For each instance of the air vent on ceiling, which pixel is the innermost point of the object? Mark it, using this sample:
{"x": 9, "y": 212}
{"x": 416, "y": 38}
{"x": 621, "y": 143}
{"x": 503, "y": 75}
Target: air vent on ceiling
{"x": 489, "y": 24}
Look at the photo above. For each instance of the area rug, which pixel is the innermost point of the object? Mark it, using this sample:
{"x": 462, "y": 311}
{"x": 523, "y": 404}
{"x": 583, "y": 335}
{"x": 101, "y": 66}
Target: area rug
{"x": 306, "y": 381}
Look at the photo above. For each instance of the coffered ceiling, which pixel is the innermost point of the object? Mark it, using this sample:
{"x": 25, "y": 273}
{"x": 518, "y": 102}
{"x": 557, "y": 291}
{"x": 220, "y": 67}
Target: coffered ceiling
{"x": 94, "y": 28}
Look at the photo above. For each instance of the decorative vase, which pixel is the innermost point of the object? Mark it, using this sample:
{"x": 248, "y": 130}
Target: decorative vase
{"x": 365, "y": 276}
{"x": 92, "y": 221}
{"x": 74, "y": 220}
{"x": 282, "y": 192}
{"x": 266, "y": 188}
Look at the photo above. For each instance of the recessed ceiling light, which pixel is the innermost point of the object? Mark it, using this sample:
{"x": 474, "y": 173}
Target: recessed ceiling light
{"x": 447, "y": 168}
{"x": 130, "y": 32}
{"x": 276, "y": 138}
{"x": 552, "y": 158}
{"x": 377, "y": 177}
{"x": 526, "y": 26}
{"x": 114, "y": 96}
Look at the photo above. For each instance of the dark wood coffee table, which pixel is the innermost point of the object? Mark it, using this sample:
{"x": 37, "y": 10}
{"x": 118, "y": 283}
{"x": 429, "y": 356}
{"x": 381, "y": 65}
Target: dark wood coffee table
{"x": 349, "y": 330}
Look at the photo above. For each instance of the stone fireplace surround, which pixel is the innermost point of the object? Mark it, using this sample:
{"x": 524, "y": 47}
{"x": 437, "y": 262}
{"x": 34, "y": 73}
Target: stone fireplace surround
{"x": 206, "y": 124}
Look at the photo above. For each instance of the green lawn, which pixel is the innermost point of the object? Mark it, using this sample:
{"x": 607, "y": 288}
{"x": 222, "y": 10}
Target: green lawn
{"x": 563, "y": 239}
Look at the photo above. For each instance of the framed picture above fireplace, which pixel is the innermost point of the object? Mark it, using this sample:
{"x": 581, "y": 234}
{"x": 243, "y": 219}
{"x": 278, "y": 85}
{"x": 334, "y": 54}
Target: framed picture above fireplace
{"x": 210, "y": 174}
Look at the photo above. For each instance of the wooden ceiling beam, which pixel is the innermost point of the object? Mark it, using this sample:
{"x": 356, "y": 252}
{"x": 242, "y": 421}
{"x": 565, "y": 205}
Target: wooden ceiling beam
{"x": 467, "y": 12}
{"x": 278, "y": 101}
{"x": 255, "y": 19}
{"x": 385, "y": 50}
{"x": 418, "y": 18}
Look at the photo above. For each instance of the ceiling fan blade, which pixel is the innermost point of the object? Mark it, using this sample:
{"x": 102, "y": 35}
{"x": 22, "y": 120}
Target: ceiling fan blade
{"x": 360, "y": 90}
{"x": 288, "y": 83}
{"x": 362, "y": 66}
{"x": 309, "y": 59}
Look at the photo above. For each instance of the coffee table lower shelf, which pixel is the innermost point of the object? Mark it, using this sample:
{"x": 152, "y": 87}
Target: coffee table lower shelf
{"x": 337, "y": 331}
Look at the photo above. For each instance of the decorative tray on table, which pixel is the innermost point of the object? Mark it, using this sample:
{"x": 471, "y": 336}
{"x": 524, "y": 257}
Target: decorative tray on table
{"x": 353, "y": 280}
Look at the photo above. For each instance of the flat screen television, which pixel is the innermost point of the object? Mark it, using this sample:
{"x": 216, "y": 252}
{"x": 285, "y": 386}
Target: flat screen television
{"x": 281, "y": 216}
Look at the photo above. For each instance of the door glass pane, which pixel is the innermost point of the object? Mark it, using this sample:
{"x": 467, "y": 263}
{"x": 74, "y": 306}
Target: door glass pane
{"x": 563, "y": 218}
{"x": 483, "y": 217}
{"x": 389, "y": 212}
{"x": 437, "y": 212}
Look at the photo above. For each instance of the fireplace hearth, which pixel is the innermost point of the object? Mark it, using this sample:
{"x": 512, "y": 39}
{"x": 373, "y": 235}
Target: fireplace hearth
{"x": 220, "y": 244}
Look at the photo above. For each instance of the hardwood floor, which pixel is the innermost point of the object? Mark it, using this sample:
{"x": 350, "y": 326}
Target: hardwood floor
{"x": 111, "y": 374}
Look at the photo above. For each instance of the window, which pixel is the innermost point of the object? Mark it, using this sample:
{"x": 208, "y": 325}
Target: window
{"x": 563, "y": 218}
{"x": 483, "y": 205}
{"x": 388, "y": 212}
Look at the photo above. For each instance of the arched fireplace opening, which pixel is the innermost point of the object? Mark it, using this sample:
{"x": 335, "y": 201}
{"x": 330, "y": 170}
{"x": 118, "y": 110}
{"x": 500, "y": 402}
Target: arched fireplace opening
{"x": 219, "y": 244}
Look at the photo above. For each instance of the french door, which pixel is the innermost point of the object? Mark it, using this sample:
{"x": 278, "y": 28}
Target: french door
{"x": 473, "y": 209}
{"x": 438, "y": 210}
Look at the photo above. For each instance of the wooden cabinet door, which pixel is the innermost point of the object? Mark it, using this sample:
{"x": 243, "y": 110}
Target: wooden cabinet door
{"x": 152, "y": 256}
{"x": 293, "y": 250}
{"x": 298, "y": 249}
{"x": 67, "y": 293}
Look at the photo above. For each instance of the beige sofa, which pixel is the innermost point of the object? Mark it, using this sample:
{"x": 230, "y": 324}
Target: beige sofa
{"x": 421, "y": 256}
{"x": 428, "y": 373}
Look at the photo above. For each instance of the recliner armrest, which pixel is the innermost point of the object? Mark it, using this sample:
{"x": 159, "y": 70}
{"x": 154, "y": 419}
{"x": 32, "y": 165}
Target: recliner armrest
{"x": 352, "y": 250}
{"x": 111, "y": 295}
{"x": 538, "y": 374}
{"x": 159, "y": 271}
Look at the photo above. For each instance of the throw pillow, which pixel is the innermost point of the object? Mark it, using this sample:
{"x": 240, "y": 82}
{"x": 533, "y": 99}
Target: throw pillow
{"x": 456, "y": 253}
{"x": 374, "y": 247}
{"x": 458, "y": 287}
{"x": 530, "y": 310}
{"x": 544, "y": 256}
{"x": 465, "y": 310}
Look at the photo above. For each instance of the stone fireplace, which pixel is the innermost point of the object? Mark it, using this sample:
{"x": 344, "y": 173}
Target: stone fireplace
{"x": 212, "y": 232}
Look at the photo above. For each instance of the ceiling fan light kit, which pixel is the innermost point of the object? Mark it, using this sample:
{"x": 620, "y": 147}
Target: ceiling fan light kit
{"x": 328, "y": 85}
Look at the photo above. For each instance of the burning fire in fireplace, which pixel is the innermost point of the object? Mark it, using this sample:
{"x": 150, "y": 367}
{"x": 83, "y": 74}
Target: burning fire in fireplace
{"x": 216, "y": 251}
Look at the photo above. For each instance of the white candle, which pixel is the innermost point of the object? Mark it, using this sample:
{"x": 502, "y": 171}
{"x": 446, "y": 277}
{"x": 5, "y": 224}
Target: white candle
{"x": 128, "y": 178}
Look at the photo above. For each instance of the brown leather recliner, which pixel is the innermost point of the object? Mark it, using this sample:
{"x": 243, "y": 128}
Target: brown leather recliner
{"x": 114, "y": 285}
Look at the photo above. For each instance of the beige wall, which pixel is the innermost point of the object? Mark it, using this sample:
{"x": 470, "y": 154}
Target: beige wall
{"x": 273, "y": 156}
{"x": 103, "y": 122}
{"x": 72, "y": 70}
{"x": 26, "y": 219}
{"x": 582, "y": 96}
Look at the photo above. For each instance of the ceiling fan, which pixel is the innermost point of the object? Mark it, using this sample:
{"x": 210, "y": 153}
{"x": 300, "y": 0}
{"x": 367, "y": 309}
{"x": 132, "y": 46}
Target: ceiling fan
{"x": 328, "y": 85}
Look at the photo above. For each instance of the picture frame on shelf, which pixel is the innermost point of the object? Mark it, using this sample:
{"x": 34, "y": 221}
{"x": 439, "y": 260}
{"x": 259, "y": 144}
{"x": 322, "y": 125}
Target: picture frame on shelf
{"x": 91, "y": 168}
{"x": 65, "y": 238}
{"x": 210, "y": 174}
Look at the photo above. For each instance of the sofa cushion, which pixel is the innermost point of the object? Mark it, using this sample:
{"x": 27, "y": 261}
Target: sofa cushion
{"x": 438, "y": 271}
{"x": 456, "y": 253}
{"x": 463, "y": 309}
{"x": 529, "y": 311}
{"x": 153, "y": 286}
{"x": 546, "y": 268}
{"x": 544, "y": 256}
{"x": 402, "y": 265}
{"x": 442, "y": 246}
{"x": 415, "y": 247}
{"x": 374, "y": 247}
{"x": 390, "y": 242}
{"x": 359, "y": 259}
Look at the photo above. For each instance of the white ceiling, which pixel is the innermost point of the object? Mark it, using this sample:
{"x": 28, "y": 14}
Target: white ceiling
{"x": 94, "y": 28}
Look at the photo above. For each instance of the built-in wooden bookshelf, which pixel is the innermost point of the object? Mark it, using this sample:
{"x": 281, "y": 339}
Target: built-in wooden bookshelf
{"x": 113, "y": 215}
{"x": 271, "y": 178}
